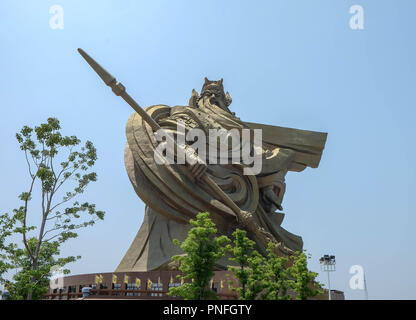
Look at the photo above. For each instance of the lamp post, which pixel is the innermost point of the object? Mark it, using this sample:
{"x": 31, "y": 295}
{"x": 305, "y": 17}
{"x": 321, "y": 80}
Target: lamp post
{"x": 328, "y": 264}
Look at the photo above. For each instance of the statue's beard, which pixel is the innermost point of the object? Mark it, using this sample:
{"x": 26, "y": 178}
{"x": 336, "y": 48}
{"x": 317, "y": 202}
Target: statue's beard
{"x": 214, "y": 101}
{"x": 270, "y": 197}
{"x": 210, "y": 101}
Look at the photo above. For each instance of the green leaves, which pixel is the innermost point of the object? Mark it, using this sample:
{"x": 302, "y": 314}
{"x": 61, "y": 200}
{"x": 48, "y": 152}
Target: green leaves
{"x": 277, "y": 276}
{"x": 24, "y": 139}
{"x": 202, "y": 250}
{"x": 60, "y": 165}
{"x": 46, "y": 176}
{"x": 25, "y": 196}
{"x": 6, "y": 227}
{"x": 36, "y": 280}
{"x": 269, "y": 277}
{"x": 303, "y": 281}
{"x": 250, "y": 262}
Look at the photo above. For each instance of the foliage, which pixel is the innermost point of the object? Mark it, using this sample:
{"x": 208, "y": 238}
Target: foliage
{"x": 276, "y": 278}
{"x": 254, "y": 283}
{"x": 250, "y": 263}
{"x": 53, "y": 161}
{"x": 302, "y": 280}
{"x": 269, "y": 277}
{"x": 202, "y": 250}
{"x": 23, "y": 284}
{"x": 6, "y": 226}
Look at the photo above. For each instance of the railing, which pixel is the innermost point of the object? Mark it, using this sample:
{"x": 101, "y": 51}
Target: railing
{"x": 122, "y": 294}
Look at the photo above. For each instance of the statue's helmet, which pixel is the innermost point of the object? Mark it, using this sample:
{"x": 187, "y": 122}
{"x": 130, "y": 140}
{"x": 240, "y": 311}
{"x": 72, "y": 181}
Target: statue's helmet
{"x": 215, "y": 88}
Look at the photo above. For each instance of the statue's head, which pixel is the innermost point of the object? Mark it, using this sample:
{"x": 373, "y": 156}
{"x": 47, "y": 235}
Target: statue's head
{"x": 214, "y": 91}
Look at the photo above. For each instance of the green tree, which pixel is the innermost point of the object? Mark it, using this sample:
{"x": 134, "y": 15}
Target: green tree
{"x": 276, "y": 278}
{"x": 254, "y": 281}
{"x": 202, "y": 249}
{"x": 23, "y": 284}
{"x": 6, "y": 227}
{"x": 302, "y": 280}
{"x": 250, "y": 268}
{"x": 269, "y": 277}
{"x": 54, "y": 162}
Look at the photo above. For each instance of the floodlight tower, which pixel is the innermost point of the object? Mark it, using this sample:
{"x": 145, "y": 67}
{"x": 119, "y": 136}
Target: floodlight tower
{"x": 328, "y": 264}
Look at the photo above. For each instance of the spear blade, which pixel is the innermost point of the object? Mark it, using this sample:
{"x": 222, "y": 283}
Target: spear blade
{"x": 118, "y": 89}
{"x": 102, "y": 73}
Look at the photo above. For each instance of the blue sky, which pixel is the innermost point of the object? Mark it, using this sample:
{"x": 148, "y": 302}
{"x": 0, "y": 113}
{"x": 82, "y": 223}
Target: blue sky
{"x": 288, "y": 63}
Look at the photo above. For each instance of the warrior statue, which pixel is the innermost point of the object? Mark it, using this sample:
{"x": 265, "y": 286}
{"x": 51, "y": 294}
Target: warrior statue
{"x": 174, "y": 193}
{"x": 172, "y": 197}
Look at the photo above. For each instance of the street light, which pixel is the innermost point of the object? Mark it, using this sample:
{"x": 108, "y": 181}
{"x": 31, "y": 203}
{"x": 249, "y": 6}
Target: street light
{"x": 328, "y": 264}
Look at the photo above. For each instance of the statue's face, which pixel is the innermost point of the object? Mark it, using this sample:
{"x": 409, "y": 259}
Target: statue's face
{"x": 213, "y": 91}
{"x": 218, "y": 99}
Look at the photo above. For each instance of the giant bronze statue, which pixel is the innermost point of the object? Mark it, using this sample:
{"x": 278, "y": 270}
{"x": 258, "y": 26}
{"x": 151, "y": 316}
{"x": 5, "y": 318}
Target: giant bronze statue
{"x": 174, "y": 193}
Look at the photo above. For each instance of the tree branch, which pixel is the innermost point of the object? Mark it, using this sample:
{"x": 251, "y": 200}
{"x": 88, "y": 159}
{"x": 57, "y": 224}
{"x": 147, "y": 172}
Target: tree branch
{"x": 28, "y": 164}
{"x": 25, "y": 216}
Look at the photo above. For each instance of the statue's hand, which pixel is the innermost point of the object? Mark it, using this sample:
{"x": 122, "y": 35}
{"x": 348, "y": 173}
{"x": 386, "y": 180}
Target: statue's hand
{"x": 195, "y": 164}
{"x": 245, "y": 219}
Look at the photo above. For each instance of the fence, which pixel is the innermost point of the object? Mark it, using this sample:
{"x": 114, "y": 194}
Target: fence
{"x": 123, "y": 294}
